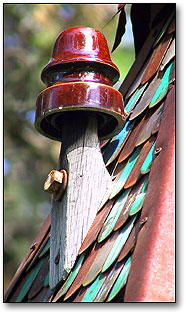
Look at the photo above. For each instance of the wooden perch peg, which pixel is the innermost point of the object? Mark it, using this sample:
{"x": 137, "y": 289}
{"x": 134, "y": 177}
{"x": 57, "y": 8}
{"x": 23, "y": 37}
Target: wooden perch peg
{"x": 56, "y": 183}
{"x": 79, "y": 108}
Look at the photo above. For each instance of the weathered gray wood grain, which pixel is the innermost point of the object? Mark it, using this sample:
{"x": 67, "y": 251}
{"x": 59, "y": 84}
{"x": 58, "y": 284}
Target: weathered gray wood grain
{"x": 88, "y": 180}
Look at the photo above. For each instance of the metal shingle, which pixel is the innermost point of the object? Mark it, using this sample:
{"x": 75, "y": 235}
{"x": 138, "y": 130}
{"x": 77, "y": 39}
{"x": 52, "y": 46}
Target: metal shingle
{"x": 119, "y": 243}
{"x": 156, "y": 58}
{"x": 125, "y": 174}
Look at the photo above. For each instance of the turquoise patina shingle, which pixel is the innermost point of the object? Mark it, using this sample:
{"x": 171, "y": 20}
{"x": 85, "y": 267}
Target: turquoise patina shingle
{"x": 120, "y": 241}
{"x": 163, "y": 87}
{"x": 45, "y": 249}
{"x": 29, "y": 281}
{"x": 116, "y": 143}
{"x": 148, "y": 161}
{"x": 135, "y": 98}
{"x": 121, "y": 280}
{"x": 93, "y": 289}
{"x": 113, "y": 216}
{"x": 46, "y": 281}
{"x": 126, "y": 171}
{"x": 70, "y": 278}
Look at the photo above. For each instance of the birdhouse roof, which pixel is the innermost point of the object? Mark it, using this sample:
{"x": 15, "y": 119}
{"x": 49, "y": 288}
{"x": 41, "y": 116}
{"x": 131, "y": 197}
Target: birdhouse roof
{"x": 128, "y": 253}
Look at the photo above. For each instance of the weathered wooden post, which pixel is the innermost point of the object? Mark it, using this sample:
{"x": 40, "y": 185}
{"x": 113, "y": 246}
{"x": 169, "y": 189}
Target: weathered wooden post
{"x": 79, "y": 107}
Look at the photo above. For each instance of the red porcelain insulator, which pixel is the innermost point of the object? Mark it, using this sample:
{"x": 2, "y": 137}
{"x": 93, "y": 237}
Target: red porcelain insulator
{"x": 79, "y": 77}
{"x": 79, "y": 45}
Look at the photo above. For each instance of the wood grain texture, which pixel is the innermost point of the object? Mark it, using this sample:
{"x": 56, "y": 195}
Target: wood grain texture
{"x": 88, "y": 180}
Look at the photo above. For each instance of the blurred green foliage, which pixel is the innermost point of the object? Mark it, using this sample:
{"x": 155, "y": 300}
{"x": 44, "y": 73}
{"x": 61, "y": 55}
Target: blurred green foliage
{"x": 30, "y": 31}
